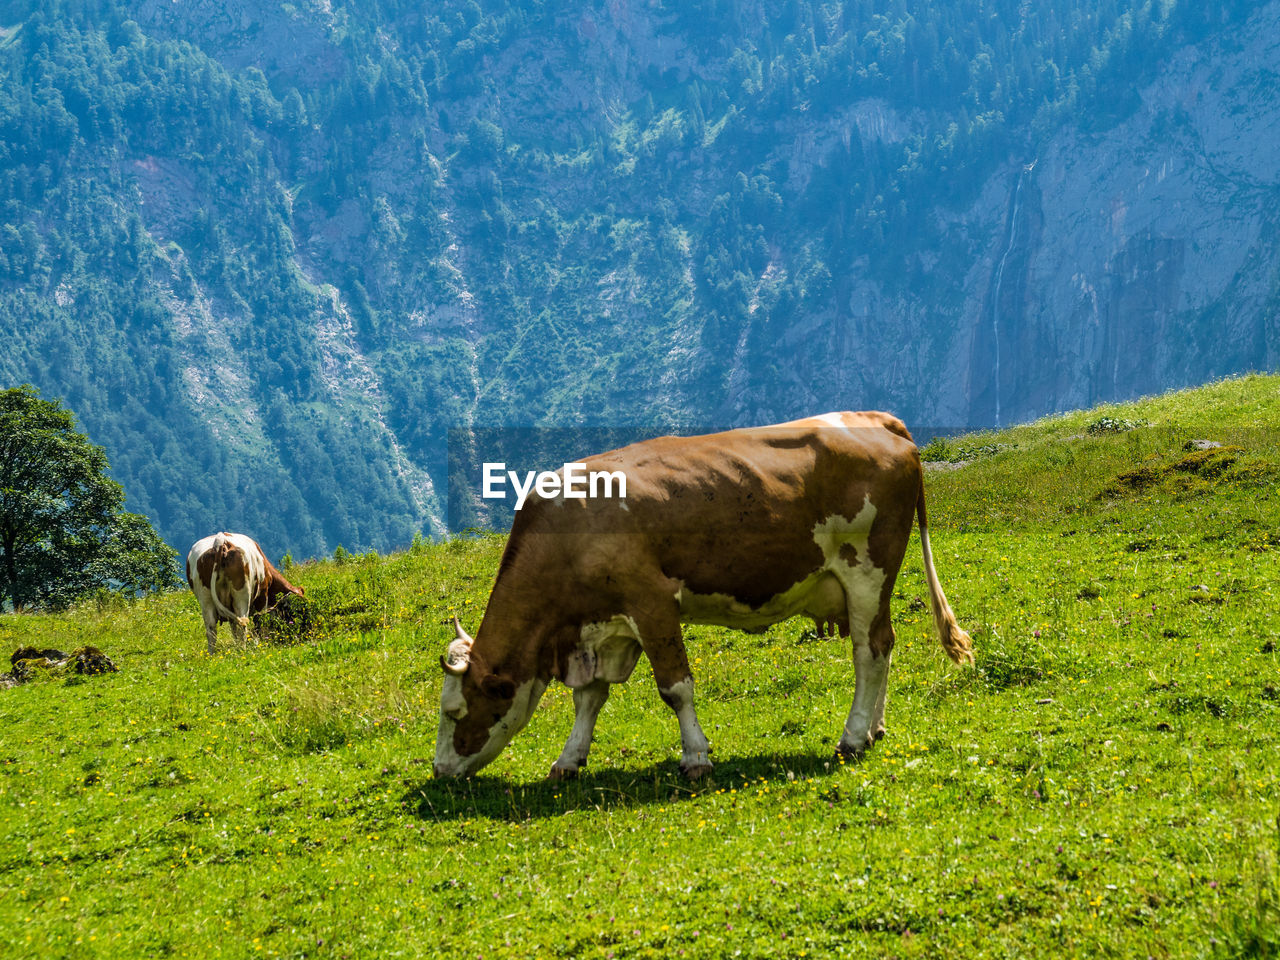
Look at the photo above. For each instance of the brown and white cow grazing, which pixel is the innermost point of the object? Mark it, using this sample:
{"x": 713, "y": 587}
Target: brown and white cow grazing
{"x": 742, "y": 529}
{"x": 233, "y": 579}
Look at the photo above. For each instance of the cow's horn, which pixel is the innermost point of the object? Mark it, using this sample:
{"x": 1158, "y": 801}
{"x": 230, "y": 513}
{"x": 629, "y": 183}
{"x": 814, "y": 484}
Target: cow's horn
{"x": 458, "y": 656}
{"x": 460, "y": 634}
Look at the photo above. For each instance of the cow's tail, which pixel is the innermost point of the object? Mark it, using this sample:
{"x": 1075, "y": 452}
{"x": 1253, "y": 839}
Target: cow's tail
{"x": 955, "y": 641}
{"x": 223, "y": 612}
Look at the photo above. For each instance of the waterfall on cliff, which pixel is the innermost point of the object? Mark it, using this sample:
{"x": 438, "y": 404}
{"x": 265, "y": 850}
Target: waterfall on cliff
{"x": 998, "y": 280}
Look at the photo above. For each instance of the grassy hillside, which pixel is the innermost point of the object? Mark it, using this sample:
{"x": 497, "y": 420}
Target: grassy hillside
{"x": 1104, "y": 782}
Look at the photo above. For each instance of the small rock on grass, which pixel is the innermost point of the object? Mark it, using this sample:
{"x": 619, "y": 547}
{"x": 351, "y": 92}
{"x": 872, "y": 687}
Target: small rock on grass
{"x": 27, "y": 661}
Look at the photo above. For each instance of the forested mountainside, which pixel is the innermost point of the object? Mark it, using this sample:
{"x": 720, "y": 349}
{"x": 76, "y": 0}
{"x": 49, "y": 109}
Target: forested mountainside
{"x": 272, "y": 254}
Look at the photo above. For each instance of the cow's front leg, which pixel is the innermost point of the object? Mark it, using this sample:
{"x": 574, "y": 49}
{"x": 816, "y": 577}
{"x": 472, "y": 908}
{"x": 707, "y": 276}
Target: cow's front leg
{"x": 663, "y": 644}
{"x": 675, "y": 686}
{"x": 695, "y": 761}
{"x": 587, "y": 704}
{"x": 871, "y": 654}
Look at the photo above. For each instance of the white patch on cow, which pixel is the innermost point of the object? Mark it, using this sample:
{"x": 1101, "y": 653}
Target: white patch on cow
{"x": 863, "y": 581}
{"x": 452, "y": 703}
{"x": 448, "y": 763}
{"x": 834, "y": 419}
{"x": 607, "y": 651}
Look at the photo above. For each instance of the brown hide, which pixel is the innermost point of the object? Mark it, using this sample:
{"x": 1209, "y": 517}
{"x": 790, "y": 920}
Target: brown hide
{"x": 233, "y": 567}
{"x": 732, "y": 513}
{"x": 204, "y": 569}
{"x": 274, "y": 586}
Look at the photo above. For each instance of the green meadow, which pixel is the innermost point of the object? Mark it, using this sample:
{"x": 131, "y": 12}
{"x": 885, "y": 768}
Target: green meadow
{"x": 1104, "y": 782}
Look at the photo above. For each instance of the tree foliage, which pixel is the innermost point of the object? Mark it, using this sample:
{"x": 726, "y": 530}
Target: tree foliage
{"x": 63, "y": 533}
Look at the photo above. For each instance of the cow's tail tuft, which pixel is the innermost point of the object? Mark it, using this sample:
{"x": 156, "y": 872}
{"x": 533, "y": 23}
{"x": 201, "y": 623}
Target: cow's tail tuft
{"x": 955, "y": 641}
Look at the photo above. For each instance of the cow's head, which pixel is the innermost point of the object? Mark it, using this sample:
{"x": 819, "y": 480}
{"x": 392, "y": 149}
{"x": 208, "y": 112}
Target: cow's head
{"x": 279, "y": 589}
{"x": 480, "y": 710}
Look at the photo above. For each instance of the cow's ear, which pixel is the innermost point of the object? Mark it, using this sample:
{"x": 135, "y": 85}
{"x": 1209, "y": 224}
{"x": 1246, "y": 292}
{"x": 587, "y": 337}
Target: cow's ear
{"x": 500, "y": 688}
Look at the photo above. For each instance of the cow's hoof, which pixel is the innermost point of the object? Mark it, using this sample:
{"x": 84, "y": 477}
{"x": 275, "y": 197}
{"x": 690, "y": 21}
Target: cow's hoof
{"x": 695, "y": 771}
{"x": 562, "y": 773}
{"x": 848, "y": 753}
{"x": 879, "y": 734}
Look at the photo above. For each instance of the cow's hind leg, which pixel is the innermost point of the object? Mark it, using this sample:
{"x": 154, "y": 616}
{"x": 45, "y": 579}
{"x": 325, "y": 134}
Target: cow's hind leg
{"x": 587, "y": 704}
{"x": 871, "y": 654}
{"x": 877, "y": 718}
{"x": 211, "y": 631}
{"x": 239, "y": 605}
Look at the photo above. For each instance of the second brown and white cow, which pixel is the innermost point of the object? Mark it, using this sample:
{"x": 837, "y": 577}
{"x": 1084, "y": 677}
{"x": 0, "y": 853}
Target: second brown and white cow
{"x": 233, "y": 579}
{"x": 742, "y": 529}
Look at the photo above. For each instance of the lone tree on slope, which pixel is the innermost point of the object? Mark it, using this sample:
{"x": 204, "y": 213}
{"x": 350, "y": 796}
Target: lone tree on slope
{"x": 62, "y": 531}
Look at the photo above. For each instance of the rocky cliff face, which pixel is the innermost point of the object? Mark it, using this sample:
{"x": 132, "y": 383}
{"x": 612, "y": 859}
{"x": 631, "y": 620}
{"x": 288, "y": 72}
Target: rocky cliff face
{"x": 1105, "y": 264}
{"x": 1121, "y": 262}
